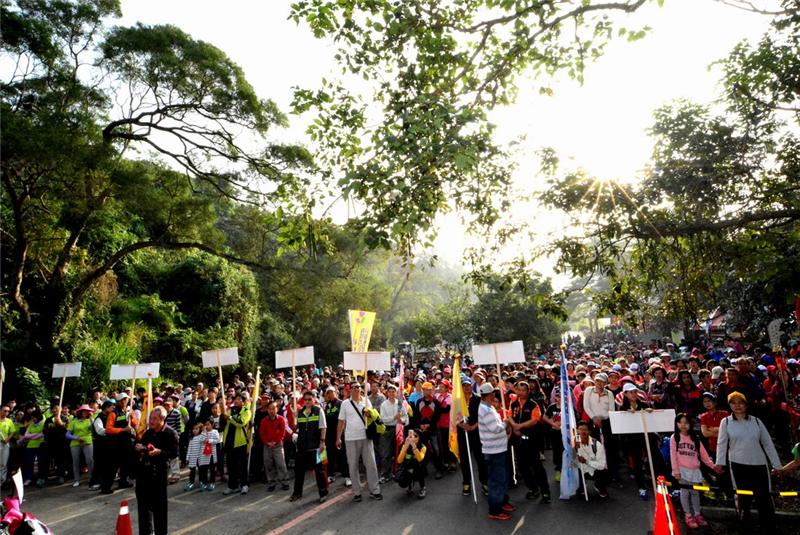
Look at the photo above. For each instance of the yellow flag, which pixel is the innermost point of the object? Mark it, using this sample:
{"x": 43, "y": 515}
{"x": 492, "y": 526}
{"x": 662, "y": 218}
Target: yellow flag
{"x": 256, "y": 395}
{"x": 361, "y": 323}
{"x": 458, "y": 407}
{"x": 147, "y": 408}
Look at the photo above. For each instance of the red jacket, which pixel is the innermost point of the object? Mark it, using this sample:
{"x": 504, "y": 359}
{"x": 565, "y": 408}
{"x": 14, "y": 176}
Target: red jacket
{"x": 272, "y": 430}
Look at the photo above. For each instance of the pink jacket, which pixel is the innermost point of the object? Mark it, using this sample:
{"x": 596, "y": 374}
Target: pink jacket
{"x": 684, "y": 454}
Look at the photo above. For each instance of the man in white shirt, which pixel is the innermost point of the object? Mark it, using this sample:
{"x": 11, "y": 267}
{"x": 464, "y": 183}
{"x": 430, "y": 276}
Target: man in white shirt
{"x": 591, "y": 457}
{"x": 357, "y": 446}
{"x": 494, "y": 434}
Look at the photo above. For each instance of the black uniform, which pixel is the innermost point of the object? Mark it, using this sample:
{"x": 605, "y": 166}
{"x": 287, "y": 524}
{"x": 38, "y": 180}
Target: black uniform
{"x": 527, "y": 447}
{"x": 151, "y": 479}
{"x": 308, "y": 441}
{"x": 337, "y": 459}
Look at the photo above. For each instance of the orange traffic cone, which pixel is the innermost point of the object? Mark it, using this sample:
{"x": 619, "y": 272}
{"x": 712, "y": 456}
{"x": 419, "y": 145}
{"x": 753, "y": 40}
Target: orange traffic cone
{"x": 124, "y": 526}
{"x": 665, "y": 522}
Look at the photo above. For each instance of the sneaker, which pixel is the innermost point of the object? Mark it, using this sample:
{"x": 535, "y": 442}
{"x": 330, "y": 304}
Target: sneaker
{"x": 40, "y": 483}
{"x": 76, "y": 484}
{"x": 602, "y": 494}
{"x": 348, "y": 482}
{"x": 229, "y": 491}
{"x": 545, "y": 499}
{"x": 438, "y": 475}
{"x": 357, "y": 498}
{"x": 270, "y": 488}
{"x": 485, "y": 490}
{"x": 643, "y": 495}
{"x": 409, "y": 491}
{"x": 211, "y": 487}
{"x": 323, "y": 498}
{"x": 377, "y": 496}
{"x": 331, "y": 479}
{"x": 691, "y": 523}
{"x": 294, "y": 497}
{"x": 422, "y": 493}
{"x": 188, "y": 487}
{"x": 508, "y": 508}
{"x": 701, "y": 521}
{"x": 60, "y": 481}
{"x": 94, "y": 487}
{"x": 500, "y": 516}
{"x": 382, "y": 480}
{"x": 27, "y": 483}
{"x": 245, "y": 489}
{"x": 466, "y": 490}
{"x": 532, "y": 495}
{"x": 558, "y": 475}
{"x": 284, "y": 486}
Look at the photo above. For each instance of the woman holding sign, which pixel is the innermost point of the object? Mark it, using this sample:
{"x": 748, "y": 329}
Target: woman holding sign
{"x": 634, "y": 447}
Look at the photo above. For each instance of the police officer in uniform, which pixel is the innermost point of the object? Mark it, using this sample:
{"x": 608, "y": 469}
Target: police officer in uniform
{"x": 310, "y": 427}
{"x": 154, "y": 451}
{"x": 120, "y": 431}
{"x": 525, "y": 415}
{"x": 337, "y": 458}
{"x": 102, "y": 453}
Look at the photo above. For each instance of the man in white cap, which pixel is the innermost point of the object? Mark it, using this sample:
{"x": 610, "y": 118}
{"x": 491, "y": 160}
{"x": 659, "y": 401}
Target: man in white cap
{"x": 598, "y": 401}
{"x": 494, "y": 434}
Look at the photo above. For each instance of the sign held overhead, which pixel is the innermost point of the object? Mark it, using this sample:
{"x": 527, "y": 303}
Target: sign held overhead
{"x": 369, "y": 360}
{"x": 70, "y": 369}
{"x": 501, "y": 353}
{"x": 303, "y": 356}
{"x": 121, "y": 372}
{"x": 221, "y": 357}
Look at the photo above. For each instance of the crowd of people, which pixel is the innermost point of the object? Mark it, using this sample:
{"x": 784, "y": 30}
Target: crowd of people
{"x": 736, "y": 427}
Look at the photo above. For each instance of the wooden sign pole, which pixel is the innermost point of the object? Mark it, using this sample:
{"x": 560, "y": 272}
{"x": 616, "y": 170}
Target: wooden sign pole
{"x": 221, "y": 382}
{"x": 61, "y": 396}
{"x": 294, "y": 383}
{"x": 649, "y": 453}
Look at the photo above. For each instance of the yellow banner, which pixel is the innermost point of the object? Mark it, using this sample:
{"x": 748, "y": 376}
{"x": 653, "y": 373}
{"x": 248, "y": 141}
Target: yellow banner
{"x": 458, "y": 407}
{"x": 147, "y": 408}
{"x": 361, "y": 324}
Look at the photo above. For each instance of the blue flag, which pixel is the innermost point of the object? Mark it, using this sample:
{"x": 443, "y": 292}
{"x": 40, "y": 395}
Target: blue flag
{"x": 570, "y": 478}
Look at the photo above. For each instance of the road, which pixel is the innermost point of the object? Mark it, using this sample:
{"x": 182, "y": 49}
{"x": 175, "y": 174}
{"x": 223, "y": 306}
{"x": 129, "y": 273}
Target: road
{"x": 445, "y": 510}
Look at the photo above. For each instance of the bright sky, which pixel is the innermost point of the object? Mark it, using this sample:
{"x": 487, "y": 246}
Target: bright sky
{"x": 600, "y": 125}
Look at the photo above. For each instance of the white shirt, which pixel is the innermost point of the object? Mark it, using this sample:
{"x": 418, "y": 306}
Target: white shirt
{"x": 389, "y": 410}
{"x": 354, "y": 425}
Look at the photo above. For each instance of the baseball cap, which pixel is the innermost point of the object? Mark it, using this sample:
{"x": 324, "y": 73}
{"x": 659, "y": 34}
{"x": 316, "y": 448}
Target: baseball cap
{"x": 628, "y": 387}
{"x": 486, "y": 388}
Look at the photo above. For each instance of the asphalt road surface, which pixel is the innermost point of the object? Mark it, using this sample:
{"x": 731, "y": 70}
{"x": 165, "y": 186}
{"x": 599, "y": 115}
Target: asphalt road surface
{"x": 78, "y": 511}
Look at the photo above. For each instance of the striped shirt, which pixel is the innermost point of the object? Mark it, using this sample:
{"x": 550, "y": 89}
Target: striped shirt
{"x": 492, "y": 430}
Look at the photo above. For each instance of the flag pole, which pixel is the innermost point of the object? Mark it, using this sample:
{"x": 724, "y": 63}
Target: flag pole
{"x": 471, "y": 468}
{"x": 294, "y": 384}
{"x": 580, "y": 466}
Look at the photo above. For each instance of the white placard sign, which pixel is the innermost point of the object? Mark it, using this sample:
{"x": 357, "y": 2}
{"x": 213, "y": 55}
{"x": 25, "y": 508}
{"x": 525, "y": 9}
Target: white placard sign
{"x": 227, "y": 357}
{"x": 122, "y": 372}
{"x": 626, "y": 422}
{"x": 504, "y": 353}
{"x": 70, "y": 369}
{"x": 373, "y": 360}
{"x": 303, "y": 356}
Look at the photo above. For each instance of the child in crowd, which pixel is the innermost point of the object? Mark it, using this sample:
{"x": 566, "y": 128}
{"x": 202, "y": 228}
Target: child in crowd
{"x": 193, "y": 454}
{"x": 208, "y": 455}
{"x": 412, "y": 464}
{"x": 686, "y": 454}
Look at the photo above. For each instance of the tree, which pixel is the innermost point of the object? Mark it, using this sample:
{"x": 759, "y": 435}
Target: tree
{"x": 115, "y": 141}
{"x": 417, "y": 141}
{"x": 715, "y": 221}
